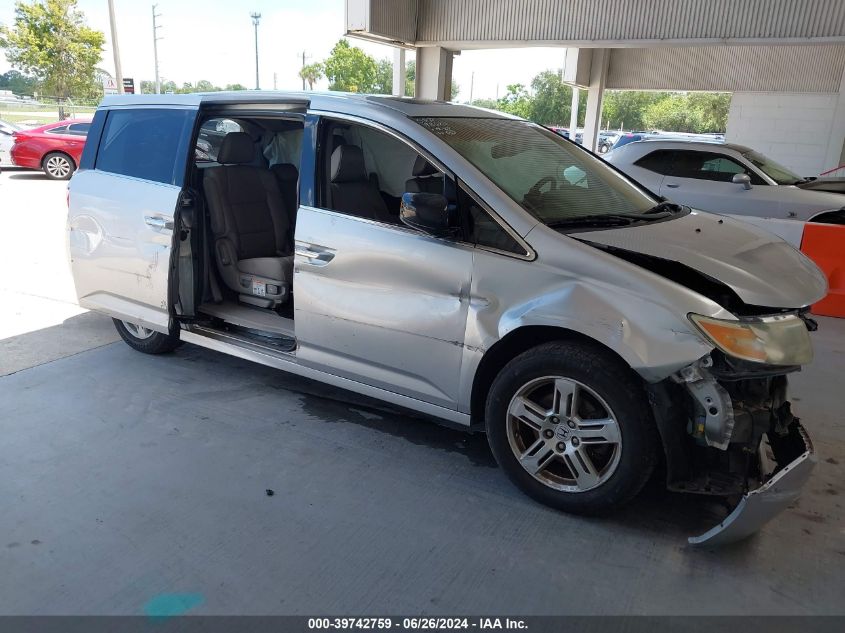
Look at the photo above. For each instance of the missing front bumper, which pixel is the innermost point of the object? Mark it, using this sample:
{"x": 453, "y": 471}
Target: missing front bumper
{"x": 759, "y": 506}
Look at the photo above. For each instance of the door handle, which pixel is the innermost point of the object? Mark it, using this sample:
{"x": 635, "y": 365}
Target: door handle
{"x": 672, "y": 185}
{"x": 158, "y": 222}
{"x": 314, "y": 254}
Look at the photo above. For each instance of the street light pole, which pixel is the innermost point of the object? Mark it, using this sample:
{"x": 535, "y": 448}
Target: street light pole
{"x": 156, "y": 38}
{"x": 118, "y": 73}
{"x": 255, "y": 18}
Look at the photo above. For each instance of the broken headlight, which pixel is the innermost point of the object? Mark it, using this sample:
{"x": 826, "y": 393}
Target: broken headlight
{"x": 774, "y": 340}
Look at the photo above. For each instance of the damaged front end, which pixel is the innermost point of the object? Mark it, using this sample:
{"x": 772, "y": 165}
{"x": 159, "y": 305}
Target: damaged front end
{"x": 741, "y": 440}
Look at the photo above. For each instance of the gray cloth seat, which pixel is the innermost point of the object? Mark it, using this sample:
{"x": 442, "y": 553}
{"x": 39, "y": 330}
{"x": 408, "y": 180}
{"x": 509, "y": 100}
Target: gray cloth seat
{"x": 426, "y": 178}
{"x": 352, "y": 190}
{"x": 287, "y": 176}
{"x": 250, "y": 224}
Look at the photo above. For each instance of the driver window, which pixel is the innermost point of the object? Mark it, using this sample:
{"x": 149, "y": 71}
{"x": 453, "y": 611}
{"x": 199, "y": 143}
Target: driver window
{"x": 368, "y": 171}
{"x": 482, "y": 229}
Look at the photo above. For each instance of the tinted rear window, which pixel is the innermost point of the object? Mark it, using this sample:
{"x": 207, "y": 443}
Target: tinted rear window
{"x": 78, "y": 129}
{"x": 146, "y": 143}
{"x": 660, "y": 161}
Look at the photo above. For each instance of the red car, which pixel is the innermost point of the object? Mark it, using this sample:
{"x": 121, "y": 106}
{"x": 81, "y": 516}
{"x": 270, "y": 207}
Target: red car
{"x": 55, "y": 147}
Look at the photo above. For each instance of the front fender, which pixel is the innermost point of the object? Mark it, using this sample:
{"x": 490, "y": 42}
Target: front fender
{"x": 651, "y": 339}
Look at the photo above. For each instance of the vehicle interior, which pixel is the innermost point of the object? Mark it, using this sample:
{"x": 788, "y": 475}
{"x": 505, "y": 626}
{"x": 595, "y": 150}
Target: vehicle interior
{"x": 245, "y": 180}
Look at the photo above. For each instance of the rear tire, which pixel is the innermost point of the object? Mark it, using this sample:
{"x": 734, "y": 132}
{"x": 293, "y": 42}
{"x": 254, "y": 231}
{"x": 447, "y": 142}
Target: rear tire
{"x": 571, "y": 426}
{"x": 58, "y": 166}
{"x": 146, "y": 340}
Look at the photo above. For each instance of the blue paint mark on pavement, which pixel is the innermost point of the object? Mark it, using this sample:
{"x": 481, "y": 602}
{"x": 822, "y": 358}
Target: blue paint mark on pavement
{"x": 166, "y": 605}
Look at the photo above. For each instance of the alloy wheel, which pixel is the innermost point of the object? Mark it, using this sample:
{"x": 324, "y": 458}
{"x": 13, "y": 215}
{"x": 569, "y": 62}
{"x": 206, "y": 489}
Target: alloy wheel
{"x": 564, "y": 434}
{"x": 58, "y": 166}
{"x": 138, "y": 331}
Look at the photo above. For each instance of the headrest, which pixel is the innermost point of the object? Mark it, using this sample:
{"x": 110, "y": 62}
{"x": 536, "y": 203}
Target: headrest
{"x": 285, "y": 172}
{"x": 236, "y": 149}
{"x": 348, "y": 164}
{"x": 423, "y": 168}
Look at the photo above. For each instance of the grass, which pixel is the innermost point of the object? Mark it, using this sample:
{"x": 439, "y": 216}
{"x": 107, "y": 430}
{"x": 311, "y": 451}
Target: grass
{"x": 46, "y": 113}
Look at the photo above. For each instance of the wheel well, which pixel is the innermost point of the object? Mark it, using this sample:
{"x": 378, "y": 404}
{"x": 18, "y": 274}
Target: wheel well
{"x": 58, "y": 151}
{"x": 508, "y": 348}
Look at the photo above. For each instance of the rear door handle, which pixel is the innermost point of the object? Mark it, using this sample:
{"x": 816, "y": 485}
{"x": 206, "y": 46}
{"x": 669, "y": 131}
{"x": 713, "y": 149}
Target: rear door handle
{"x": 672, "y": 185}
{"x": 314, "y": 254}
{"x": 158, "y": 222}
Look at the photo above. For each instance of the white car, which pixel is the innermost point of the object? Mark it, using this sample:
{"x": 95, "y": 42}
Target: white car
{"x": 6, "y": 141}
{"x": 725, "y": 178}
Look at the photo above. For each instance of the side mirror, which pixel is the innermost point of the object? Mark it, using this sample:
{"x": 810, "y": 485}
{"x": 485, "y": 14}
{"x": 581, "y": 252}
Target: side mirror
{"x": 742, "y": 179}
{"x": 427, "y": 212}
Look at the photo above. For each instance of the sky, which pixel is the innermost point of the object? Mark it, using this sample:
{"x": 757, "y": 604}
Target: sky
{"x": 213, "y": 40}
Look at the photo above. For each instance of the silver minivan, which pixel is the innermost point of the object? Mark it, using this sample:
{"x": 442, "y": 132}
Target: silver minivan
{"x": 463, "y": 264}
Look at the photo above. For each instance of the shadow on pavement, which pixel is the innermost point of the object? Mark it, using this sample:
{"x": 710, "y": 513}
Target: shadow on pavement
{"x": 27, "y": 175}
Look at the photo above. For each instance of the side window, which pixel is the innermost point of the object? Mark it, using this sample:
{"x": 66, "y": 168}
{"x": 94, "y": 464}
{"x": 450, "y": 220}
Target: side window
{"x": 659, "y": 161}
{"x": 62, "y": 129}
{"x": 78, "y": 129}
{"x": 366, "y": 171}
{"x": 482, "y": 229}
{"x": 211, "y": 137}
{"x": 710, "y": 166}
{"x": 145, "y": 143}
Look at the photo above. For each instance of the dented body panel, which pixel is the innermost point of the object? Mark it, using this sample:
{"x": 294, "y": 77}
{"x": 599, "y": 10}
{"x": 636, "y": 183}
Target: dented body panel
{"x": 763, "y": 270}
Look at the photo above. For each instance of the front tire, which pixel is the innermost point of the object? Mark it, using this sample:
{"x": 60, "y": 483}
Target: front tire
{"x": 58, "y": 166}
{"x": 570, "y": 425}
{"x": 145, "y": 340}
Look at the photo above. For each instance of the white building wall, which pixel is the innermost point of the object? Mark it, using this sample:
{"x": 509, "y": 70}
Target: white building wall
{"x": 800, "y": 131}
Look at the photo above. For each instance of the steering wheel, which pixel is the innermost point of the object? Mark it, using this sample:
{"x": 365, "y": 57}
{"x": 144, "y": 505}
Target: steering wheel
{"x": 534, "y": 198}
{"x": 545, "y": 180}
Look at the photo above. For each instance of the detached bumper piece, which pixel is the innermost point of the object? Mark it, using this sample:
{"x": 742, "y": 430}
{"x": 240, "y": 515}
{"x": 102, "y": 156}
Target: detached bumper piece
{"x": 759, "y": 506}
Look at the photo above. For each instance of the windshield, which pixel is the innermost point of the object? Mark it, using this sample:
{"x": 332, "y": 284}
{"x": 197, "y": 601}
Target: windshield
{"x": 780, "y": 174}
{"x": 545, "y": 174}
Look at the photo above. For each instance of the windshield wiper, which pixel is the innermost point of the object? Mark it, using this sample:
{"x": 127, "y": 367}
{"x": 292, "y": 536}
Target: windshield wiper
{"x": 598, "y": 219}
{"x": 610, "y": 219}
{"x": 666, "y": 208}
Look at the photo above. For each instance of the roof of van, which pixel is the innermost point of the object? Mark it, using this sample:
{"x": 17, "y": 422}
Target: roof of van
{"x": 330, "y": 101}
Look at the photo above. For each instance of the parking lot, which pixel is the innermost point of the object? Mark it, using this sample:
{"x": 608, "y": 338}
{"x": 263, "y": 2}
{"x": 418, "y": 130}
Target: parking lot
{"x": 137, "y": 484}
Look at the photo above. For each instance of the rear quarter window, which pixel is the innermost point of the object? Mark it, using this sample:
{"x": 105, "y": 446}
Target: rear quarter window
{"x": 659, "y": 161}
{"x": 146, "y": 143}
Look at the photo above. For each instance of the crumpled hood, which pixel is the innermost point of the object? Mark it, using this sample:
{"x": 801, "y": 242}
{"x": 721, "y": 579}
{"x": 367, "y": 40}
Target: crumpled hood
{"x": 761, "y": 268}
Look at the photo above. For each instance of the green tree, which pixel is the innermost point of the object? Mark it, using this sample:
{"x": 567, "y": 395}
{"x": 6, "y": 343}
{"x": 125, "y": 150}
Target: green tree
{"x": 50, "y": 41}
{"x": 18, "y": 83}
{"x": 626, "y": 108}
{"x": 383, "y": 84}
{"x": 236, "y": 87}
{"x": 673, "y": 113}
{"x": 490, "y": 104}
{"x": 311, "y": 73}
{"x": 516, "y": 101}
{"x": 350, "y": 69}
{"x": 552, "y": 100}
{"x": 410, "y": 78}
{"x": 713, "y": 109}
{"x": 204, "y": 85}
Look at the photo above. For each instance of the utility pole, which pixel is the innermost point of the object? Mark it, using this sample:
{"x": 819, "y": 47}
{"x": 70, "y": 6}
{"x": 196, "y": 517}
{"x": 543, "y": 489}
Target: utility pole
{"x": 304, "y": 56}
{"x": 255, "y": 18}
{"x": 275, "y": 86}
{"x": 156, "y": 38}
{"x": 471, "y": 86}
{"x": 118, "y": 73}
